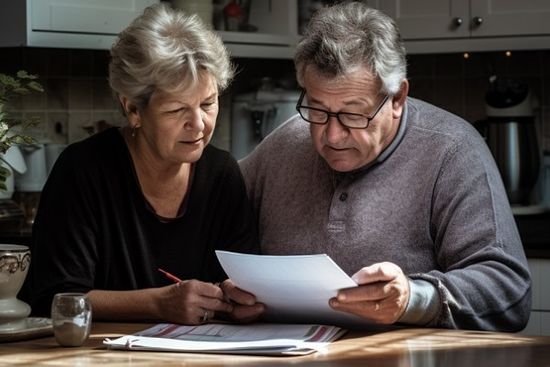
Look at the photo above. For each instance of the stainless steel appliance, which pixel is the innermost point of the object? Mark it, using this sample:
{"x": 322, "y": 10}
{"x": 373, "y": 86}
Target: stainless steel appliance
{"x": 510, "y": 132}
{"x": 256, "y": 114}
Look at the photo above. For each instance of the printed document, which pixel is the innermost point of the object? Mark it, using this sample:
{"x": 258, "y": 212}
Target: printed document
{"x": 258, "y": 339}
{"x": 293, "y": 288}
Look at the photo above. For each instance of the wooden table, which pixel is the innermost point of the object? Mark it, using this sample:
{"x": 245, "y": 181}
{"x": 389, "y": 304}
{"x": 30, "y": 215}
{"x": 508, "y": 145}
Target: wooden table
{"x": 402, "y": 347}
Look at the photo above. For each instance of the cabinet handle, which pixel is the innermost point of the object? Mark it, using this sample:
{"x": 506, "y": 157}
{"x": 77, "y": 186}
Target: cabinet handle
{"x": 478, "y": 21}
{"x": 457, "y": 21}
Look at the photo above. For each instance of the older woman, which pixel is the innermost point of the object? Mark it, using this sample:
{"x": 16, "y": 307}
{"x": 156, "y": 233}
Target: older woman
{"x": 153, "y": 194}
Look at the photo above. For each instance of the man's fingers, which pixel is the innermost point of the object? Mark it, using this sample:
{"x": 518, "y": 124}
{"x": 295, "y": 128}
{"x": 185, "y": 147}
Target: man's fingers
{"x": 380, "y": 272}
{"x": 358, "y": 308}
{"x": 368, "y": 292}
{"x": 381, "y": 296}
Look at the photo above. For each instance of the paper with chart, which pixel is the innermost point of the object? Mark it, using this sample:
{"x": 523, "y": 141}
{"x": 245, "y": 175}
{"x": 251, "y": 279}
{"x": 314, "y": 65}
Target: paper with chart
{"x": 259, "y": 338}
{"x": 293, "y": 288}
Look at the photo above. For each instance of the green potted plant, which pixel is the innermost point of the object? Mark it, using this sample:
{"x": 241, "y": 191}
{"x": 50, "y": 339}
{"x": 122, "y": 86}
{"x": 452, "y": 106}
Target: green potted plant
{"x": 12, "y": 131}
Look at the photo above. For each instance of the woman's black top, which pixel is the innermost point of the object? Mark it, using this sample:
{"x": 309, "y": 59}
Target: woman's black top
{"x": 95, "y": 230}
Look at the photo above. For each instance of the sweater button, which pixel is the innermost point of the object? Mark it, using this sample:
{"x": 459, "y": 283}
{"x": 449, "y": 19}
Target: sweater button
{"x": 343, "y": 196}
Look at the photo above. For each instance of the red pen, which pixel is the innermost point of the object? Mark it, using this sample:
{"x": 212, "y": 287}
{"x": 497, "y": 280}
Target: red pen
{"x": 170, "y": 276}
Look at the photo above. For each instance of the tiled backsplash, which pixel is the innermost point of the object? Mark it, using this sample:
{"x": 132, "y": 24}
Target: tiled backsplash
{"x": 458, "y": 83}
{"x": 78, "y": 99}
{"x": 77, "y": 95}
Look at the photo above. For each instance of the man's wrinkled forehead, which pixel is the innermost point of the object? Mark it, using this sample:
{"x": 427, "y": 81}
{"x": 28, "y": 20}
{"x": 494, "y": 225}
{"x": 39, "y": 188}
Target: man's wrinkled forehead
{"x": 337, "y": 75}
{"x": 313, "y": 74}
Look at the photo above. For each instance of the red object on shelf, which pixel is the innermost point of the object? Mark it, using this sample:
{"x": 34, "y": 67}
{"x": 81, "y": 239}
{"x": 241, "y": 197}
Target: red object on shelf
{"x": 233, "y": 14}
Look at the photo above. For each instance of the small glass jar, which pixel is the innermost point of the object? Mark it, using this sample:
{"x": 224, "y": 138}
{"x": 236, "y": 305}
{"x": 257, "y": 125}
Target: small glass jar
{"x": 71, "y": 318}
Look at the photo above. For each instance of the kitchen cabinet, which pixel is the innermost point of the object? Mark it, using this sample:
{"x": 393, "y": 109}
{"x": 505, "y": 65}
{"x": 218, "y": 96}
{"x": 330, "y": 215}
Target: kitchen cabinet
{"x": 539, "y": 323}
{"x": 66, "y": 23}
{"x": 94, "y": 25}
{"x": 470, "y": 25}
{"x": 276, "y": 35}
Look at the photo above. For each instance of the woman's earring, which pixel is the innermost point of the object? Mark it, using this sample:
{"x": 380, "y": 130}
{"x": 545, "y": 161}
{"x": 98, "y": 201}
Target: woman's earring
{"x": 134, "y": 129}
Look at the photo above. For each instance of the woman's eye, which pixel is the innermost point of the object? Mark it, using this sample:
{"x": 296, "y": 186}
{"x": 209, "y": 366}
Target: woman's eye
{"x": 177, "y": 110}
{"x": 208, "y": 105}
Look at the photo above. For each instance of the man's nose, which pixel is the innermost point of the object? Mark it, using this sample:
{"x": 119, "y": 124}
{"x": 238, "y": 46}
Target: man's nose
{"x": 335, "y": 131}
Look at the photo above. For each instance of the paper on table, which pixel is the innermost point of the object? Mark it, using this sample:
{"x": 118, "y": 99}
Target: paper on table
{"x": 293, "y": 288}
{"x": 264, "y": 339}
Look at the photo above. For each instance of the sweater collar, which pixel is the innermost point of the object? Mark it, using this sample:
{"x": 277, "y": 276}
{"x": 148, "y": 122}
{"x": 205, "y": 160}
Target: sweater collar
{"x": 396, "y": 140}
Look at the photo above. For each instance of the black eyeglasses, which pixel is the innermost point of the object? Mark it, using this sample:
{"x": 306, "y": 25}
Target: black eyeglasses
{"x": 348, "y": 119}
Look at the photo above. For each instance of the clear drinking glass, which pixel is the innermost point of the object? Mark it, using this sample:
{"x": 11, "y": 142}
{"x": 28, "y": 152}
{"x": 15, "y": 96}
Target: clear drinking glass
{"x": 71, "y": 318}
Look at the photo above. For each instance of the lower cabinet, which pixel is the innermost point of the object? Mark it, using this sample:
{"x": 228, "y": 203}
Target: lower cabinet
{"x": 545, "y": 323}
{"x": 539, "y": 322}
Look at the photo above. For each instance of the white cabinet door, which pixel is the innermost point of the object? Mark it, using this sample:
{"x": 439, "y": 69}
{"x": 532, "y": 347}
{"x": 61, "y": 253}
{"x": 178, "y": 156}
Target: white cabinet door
{"x": 85, "y": 16}
{"x": 544, "y": 284}
{"x": 91, "y": 24}
{"x": 429, "y": 19}
{"x": 545, "y": 323}
{"x": 509, "y": 17}
{"x": 539, "y": 322}
{"x": 534, "y": 325}
{"x": 535, "y": 270}
{"x": 438, "y": 19}
{"x": 540, "y": 286}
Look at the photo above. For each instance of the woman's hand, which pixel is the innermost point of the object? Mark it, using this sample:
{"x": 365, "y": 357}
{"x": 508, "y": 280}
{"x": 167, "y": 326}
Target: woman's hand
{"x": 382, "y": 294}
{"x": 245, "y": 308}
{"x": 191, "y": 302}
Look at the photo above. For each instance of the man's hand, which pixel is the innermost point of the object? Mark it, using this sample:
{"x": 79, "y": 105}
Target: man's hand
{"x": 382, "y": 294}
{"x": 245, "y": 307}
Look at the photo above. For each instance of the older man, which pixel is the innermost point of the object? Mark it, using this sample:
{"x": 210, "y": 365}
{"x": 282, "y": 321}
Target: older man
{"x": 404, "y": 196}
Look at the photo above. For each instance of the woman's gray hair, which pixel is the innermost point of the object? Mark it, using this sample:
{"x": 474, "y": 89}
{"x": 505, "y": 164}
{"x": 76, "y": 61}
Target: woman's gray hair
{"x": 166, "y": 49}
{"x": 348, "y": 35}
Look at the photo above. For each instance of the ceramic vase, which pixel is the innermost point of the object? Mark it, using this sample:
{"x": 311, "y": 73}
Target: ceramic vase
{"x": 14, "y": 265}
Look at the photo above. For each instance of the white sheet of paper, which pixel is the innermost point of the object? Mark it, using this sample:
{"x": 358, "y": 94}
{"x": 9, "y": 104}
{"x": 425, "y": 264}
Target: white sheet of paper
{"x": 293, "y": 288}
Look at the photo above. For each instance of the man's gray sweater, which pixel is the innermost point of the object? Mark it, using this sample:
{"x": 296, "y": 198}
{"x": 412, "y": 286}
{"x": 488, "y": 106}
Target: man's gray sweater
{"x": 433, "y": 203}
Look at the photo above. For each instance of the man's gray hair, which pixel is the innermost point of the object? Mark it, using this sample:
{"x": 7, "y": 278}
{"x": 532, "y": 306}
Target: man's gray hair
{"x": 166, "y": 49}
{"x": 345, "y": 36}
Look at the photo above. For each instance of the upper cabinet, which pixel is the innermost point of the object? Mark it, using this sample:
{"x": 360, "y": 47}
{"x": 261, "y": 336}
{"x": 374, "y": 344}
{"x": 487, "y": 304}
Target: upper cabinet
{"x": 93, "y": 24}
{"x": 276, "y": 23}
{"x": 66, "y": 23}
{"x": 471, "y": 25}
{"x": 429, "y": 19}
{"x": 509, "y": 17}
{"x": 427, "y": 26}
